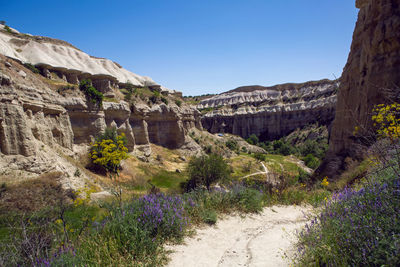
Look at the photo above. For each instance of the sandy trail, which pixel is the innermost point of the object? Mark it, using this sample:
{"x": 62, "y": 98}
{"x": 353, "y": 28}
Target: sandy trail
{"x": 256, "y": 240}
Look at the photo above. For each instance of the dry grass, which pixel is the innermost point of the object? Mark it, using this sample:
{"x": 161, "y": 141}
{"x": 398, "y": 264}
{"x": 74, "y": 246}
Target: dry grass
{"x": 355, "y": 172}
{"x": 34, "y": 194}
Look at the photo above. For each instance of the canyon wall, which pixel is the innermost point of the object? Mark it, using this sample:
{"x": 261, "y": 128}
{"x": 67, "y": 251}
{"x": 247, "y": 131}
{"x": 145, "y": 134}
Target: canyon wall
{"x": 70, "y": 64}
{"x": 371, "y": 76}
{"x": 43, "y": 118}
{"x": 270, "y": 112}
{"x": 29, "y": 110}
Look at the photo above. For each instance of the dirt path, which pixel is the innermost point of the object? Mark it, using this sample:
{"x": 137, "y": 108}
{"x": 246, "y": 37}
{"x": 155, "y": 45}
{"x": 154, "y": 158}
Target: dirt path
{"x": 256, "y": 240}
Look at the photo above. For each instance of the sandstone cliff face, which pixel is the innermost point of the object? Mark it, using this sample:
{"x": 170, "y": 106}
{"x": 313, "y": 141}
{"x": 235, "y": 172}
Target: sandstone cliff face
{"x": 57, "y": 57}
{"x": 28, "y": 114}
{"x": 371, "y": 71}
{"x": 270, "y": 112}
{"x": 36, "y": 122}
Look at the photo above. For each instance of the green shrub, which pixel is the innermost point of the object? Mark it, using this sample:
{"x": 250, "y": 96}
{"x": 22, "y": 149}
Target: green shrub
{"x": 303, "y": 177}
{"x": 77, "y": 173}
{"x": 91, "y": 93}
{"x": 236, "y": 198}
{"x": 286, "y": 149}
{"x": 178, "y": 102}
{"x": 206, "y": 170}
{"x": 209, "y": 216}
{"x": 266, "y": 146}
{"x": 252, "y": 140}
{"x": 232, "y": 145}
{"x": 130, "y": 87}
{"x": 317, "y": 149}
{"x": 128, "y": 96}
{"x": 31, "y": 68}
{"x": 126, "y": 238}
{"x": 8, "y": 29}
{"x": 164, "y": 100}
{"x": 249, "y": 200}
{"x": 280, "y": 147}
{"x": 260, "y": 156}
{"x": 311, "y": 161}
{"x": 208, "y": 149}
{"x": 357, "y": 227}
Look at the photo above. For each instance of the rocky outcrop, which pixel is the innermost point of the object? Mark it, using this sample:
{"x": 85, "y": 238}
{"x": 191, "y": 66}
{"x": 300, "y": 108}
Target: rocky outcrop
{"x": 370, "y": 77}
{"x": 36, "y": 122}
{"x": 68, "y": 62}
{"x": 28, "y": 114}
{"x": 29, "y": 110}
{"x": 163, "y": 125}
{"x": 270, "y": 112}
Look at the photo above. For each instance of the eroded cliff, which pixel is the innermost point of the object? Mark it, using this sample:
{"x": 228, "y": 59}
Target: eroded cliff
{"x": 39, "y": 123}
{"x": 371, "y": 76}
{"x": 57, "y": 58}
{"x": 270, "y": 112}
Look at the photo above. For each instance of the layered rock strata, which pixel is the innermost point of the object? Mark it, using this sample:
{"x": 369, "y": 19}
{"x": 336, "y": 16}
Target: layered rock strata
{"x": 371, "y": 76}
{"x": 34, "y": 118}
{"x": 270, "y": 112}
{"x": 58, "y": 59}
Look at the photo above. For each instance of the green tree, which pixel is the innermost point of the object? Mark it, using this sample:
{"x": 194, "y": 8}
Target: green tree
{"x": 317, "y": 149}
{"x": 286, "y": 149}
{"x": 260, "y": 156}
{"x": 206, "y": 170}
{"x": 252, "y": 140}
{"x": 311, "y": 161}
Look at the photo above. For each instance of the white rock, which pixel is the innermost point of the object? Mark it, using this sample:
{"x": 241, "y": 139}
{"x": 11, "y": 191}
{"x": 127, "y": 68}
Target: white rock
{"x": 22, "y": 73}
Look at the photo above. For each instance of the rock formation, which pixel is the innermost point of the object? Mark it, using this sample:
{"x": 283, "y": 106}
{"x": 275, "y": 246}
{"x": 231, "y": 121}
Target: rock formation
{"x": 369, "y": 77}
{"x": 40, "y": 125}
{"x": 270, "y": 112}
{"x": 36, "y": 112}
{"x": 59, "y": 58}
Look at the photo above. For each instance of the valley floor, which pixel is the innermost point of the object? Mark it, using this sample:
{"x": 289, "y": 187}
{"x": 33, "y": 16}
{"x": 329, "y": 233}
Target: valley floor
{"x": 254, "y": 240}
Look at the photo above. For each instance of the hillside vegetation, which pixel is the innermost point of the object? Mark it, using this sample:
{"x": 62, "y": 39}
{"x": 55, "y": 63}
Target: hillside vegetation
{"x": 151, "y": 205}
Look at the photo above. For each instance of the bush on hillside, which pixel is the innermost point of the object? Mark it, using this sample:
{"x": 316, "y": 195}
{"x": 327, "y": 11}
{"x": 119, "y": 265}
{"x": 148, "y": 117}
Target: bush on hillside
{"x": 31, "y": 68}
{"x": 8, "y": 29}
{"x": 283, "y": 148}
{"x": 317, "y": 149}
{"x": 178, "y": 102}
{"x": 360, "y": 227}
{"x": 356, "y": 228}
{"x": 260, "y": 156}
{"x": 164, "y": 100}
{"x": 109, "y": 150}
{"x": 155, "y": 97}
{"x": 311, "y": 161}
{"x": 232, "y": 145}
{"x": 91, "y": 93}
{"x": 252, "y": 140}
{"x": 206, "y": 170}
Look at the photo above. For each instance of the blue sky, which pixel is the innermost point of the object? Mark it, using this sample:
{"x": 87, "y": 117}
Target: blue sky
{"x": 201, "y": 46}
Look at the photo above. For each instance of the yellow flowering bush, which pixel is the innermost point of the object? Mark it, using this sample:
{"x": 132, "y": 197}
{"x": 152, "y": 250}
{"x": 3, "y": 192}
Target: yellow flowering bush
{"x": 386, "y": 119}
{"x": 83, "y": 196}
{"x": 325, "y": 181}
{"x": 109, "y": 150}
